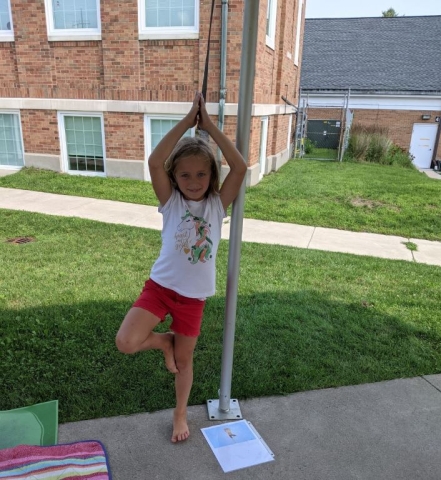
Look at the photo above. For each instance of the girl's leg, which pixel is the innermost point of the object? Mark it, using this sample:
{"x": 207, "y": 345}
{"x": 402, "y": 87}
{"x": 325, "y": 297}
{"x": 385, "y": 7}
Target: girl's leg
{"x": 136, "y": 334}
{"x": 184, "y": 348}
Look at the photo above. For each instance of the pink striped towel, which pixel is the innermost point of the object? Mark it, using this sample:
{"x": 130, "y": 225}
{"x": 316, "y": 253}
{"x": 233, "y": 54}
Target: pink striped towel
{"x": 73, "y": 461}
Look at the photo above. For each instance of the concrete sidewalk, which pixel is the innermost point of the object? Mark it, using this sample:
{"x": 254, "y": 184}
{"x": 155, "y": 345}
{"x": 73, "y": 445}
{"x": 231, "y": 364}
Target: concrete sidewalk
{"x": 382, "y": 431}
{"x": 318, "y": 238}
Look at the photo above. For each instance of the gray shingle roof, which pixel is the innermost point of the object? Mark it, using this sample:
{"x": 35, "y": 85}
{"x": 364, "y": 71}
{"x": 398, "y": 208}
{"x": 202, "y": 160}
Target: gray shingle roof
{"x": 401, "y": 54}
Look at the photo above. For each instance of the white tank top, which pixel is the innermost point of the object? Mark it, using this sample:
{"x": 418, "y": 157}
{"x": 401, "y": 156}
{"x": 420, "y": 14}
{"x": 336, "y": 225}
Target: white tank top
{"x": 190, "y": 237}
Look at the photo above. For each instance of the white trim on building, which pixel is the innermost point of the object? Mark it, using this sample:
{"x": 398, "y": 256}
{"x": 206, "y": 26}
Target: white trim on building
{"x": 374, "y": 102}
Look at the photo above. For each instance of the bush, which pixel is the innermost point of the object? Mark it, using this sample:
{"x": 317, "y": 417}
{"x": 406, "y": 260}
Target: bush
{"x": 372, "y": 144}
{"x": 399, "y": 156}
{"x": 378, "y": 148}
{"x": 358, "y": 146}
{"x": 308, "y": 146}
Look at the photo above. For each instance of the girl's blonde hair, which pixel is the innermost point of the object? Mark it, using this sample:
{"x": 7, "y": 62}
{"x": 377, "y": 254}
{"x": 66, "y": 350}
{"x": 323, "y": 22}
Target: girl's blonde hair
{"x": 186, "y": 147}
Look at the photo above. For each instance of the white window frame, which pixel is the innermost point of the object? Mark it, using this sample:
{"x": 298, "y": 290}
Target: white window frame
{"x": 298, "y": 30}
{"x": 148, "y": 137}
{"x": 63, "y": 143}
{"x": 75, "y": 34}
{"x": 8, "y": 35}
{"x": 271, "y": 16}
{"x": 15, "y": 167}
{"x": 166, "y": 33}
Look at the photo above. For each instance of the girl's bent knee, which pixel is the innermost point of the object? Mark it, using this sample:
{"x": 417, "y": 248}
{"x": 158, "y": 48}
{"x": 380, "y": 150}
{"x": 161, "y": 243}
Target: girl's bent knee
{"x": 125, "y": 346}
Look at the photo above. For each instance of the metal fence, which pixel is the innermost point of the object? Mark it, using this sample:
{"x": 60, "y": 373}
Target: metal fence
{"x": 322, "y": 131}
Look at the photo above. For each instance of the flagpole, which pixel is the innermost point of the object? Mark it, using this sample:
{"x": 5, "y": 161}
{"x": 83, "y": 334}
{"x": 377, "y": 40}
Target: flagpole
{"x": 227, "y": 408}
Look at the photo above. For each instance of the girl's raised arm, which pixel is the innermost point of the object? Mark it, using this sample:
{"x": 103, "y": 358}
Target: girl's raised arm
{"x": 233, "y": 181}
{"x": 160, "y": 180}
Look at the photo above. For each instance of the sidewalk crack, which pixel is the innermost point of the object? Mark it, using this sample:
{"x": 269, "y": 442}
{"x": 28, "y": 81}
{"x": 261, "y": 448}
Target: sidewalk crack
{"x": 430, "y": 383}
{"x": 312, "y": 235}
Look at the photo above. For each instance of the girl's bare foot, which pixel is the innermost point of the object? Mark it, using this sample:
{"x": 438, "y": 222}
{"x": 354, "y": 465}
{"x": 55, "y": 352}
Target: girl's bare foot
{"x": 180, "y": 427}
{"x": 169, "y": 352}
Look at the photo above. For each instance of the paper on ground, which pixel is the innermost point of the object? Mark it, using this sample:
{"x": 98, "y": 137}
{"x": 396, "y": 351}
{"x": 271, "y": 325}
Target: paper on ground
{"x": 237, "y": 445}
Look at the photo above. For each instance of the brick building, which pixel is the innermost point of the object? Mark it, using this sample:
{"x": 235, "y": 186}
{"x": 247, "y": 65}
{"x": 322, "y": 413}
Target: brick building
{"x": 386, "y": 71}
{"x": 90, "y": 88}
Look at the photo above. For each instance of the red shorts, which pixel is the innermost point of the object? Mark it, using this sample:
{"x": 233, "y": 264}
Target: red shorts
{"x": 186, "y": 312}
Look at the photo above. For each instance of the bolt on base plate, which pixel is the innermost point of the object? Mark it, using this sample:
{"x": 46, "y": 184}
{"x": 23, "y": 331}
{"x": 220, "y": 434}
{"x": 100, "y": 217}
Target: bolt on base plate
{"x": 233, "y": 413}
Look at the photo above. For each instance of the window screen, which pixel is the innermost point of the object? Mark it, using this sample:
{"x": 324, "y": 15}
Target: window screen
{"x": 84, "y": 143}
{"x": 11, "y": 150}
{"x": 170, "y": 13}
{"x": 72, "y": 14}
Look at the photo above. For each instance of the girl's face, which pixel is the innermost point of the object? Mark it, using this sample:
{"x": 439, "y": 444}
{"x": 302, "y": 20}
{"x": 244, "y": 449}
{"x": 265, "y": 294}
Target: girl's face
{"x": 192, "y": 174}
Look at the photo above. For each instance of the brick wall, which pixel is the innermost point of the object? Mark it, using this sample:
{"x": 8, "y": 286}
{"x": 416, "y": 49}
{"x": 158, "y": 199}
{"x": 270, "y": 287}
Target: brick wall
{"x": 8, "y": 65}
{"x": 276, "y": 74}
{"x": 121, "y": 67}
{"x": 325, "y": 113}
{"x": 398, "y": 122}
{"x": 32, "y": 52}
{"x": 124, "y": 134}
{"x": 78, "y": 63}
{"x": 40, "y": 131}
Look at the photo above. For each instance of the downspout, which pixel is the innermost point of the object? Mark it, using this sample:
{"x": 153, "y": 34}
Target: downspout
{"x": 223, "y": 75}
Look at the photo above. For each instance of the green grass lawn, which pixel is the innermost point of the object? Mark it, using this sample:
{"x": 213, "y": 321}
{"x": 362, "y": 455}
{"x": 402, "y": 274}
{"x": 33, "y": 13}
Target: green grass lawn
{"x": 322, "y": 154}
{"x": 305, "y": 320}
{"x": 349, "y": 196}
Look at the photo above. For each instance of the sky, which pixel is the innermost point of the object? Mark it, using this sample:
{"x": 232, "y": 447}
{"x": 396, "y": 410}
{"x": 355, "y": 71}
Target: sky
{"x": 370, "y": 8}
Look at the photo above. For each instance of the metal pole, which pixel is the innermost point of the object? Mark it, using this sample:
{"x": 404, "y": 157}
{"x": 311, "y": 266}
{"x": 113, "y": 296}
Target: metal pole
{"x": 299, "y": 119}
{"x": 223, "y": 76}
{"x": 342, "y": 121}
{"x": 227, "y": 408}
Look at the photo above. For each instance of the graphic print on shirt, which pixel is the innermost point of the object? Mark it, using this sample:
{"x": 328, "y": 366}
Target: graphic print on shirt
{"x": 192, "y": 237}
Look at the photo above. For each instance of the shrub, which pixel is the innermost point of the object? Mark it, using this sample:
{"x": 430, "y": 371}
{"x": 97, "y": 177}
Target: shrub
{"x": 358, "y": 145}
{"x": 369, "y": 129}
{"x": 378, "y": 148}
{"x": 308, "y": 146}
{"x": 372, "y": 144}
{"x": 399, "y": 156}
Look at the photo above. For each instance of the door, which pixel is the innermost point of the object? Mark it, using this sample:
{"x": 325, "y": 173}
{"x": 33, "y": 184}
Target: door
{"x": 263, "y": 144}
{"x": 422, "y": 144}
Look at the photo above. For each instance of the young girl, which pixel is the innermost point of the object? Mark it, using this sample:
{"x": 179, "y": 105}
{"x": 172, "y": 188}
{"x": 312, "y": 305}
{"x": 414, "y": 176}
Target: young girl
{"x": 186, "y": 181}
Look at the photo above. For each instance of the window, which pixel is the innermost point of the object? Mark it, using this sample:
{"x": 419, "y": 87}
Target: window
{"x": 271, "y": 15}
{"x": 298, "y": 28}
{"x": 82, "y": 142}
{"x": 168, "y": 19}
{"x": 74, "y": 19}
{"x": 156, "y": 128}
{"x": 11, "y": 144}
{"x": 6, "y": 31}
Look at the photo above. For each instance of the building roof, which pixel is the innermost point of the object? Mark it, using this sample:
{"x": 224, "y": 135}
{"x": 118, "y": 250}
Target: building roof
{"x": 375, "y": 55}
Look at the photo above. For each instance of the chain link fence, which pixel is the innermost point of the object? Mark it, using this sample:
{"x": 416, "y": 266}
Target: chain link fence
{"x": 322, "y": 132}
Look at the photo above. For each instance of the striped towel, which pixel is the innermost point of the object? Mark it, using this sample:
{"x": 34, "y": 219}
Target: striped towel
{"x": 73, "y": 461}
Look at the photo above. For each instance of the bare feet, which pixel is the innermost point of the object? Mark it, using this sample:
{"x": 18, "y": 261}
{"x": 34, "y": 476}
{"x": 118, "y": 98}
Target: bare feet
{"x": 169, "y": 352}
{"x": 180, "y": 427}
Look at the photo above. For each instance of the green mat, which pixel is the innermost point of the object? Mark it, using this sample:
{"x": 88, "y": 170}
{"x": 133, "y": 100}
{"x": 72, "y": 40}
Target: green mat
{"x": 34, "y": 425}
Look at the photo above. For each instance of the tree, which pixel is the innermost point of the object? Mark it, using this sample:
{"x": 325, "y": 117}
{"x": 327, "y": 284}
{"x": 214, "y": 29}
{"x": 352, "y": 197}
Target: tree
{"x": 390, "y": 13}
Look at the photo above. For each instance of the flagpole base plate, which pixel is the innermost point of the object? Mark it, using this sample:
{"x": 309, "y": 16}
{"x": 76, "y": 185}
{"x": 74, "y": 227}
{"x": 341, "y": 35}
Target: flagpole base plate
{"x": 233, "y": 413}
